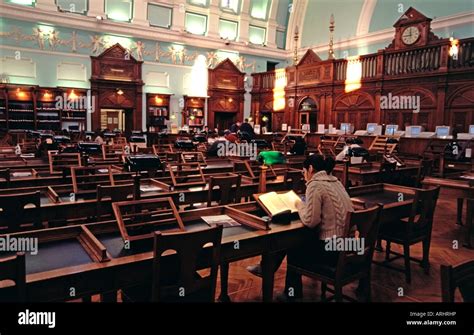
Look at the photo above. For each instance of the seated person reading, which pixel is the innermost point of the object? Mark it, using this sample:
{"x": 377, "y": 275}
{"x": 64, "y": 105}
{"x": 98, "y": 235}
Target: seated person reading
{"x": 324, "y": 216}
{"x": 299, "y": 147}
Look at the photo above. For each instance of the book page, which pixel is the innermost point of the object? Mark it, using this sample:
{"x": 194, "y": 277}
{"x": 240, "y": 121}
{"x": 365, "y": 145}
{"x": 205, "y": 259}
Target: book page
{"x": 273, "y": 203}
{"x": 290, "y": 199}
{"x": 226, "y": 220}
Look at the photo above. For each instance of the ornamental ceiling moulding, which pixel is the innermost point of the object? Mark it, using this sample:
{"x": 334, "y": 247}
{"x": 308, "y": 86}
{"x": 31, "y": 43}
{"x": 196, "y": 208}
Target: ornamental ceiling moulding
{"x": 51, "y": 39}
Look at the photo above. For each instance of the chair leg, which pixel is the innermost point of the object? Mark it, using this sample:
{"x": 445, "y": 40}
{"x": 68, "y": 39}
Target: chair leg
{"x": 338, "y": 293}
{"x": 324, "y": 288}
{"x": 406, "y": 253}
{"x": 387, "y": 250}
{"x": 224, "y": 296}
{"x": 368, "y": 287}
{"x": 426, "y": 255}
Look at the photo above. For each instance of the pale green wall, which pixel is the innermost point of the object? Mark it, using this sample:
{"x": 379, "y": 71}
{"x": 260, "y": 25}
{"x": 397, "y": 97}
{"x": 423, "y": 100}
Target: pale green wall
{"x": 386, "y": 12}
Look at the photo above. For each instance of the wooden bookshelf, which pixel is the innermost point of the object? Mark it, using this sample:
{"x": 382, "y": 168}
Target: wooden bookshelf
{"x": 74, "y": 114}
{"x": 48, "y": 112}
{"x": 3, "y": 107}
{"x": 193, "y": 113}
{"x": 21, "y": 107}
{"x": 158, "y": 111}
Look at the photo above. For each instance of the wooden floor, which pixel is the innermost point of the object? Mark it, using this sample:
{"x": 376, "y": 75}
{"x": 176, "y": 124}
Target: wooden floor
{"x": 244, "y": 287}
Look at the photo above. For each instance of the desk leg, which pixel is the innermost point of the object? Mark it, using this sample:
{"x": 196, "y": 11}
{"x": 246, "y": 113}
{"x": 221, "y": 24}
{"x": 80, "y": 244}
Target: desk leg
{"x": 224, "y": 296}
{"x": 459, "y": 215}
{"x": 470, "y": 237}
{"x": 268, "y": 274}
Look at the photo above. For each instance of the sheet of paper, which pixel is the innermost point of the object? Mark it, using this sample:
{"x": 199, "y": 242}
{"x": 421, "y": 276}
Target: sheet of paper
{"x": 226, "y": 220}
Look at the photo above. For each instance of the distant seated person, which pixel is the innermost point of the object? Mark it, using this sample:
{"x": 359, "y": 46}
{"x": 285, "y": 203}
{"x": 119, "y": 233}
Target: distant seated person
{"x": 205, "y": 130}
{"x": 231, "y": 137}
{"x": 235, "y": 127}
{"x": 216, "y": 149}
{"x": 246, "y": 127}
{"x": 350, "y": 144}
{"x": 98, "y": 138}
{"x": 299, "y": 147}
{"x": 211, "y": 138}
{"x": 453, "y": 150}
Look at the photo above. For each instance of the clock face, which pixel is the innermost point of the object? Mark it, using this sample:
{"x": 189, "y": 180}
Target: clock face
{"x": 410, "y": 35}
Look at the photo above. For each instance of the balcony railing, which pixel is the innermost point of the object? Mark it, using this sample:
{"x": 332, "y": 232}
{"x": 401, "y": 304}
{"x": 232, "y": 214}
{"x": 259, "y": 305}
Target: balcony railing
{"x": 427, "y": 60}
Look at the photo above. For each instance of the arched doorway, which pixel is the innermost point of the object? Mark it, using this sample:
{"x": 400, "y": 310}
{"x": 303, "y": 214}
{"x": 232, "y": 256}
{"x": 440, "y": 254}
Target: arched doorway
{"x": 308, "y": 114}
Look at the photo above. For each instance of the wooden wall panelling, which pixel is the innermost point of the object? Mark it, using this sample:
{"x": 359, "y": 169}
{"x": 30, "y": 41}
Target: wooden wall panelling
{"x": 226, "y": 93}
{"x": 116, "y": 69}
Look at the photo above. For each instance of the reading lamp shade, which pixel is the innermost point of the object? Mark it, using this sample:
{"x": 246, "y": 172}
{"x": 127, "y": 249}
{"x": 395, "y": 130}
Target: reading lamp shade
{"x": 271, "y": 157}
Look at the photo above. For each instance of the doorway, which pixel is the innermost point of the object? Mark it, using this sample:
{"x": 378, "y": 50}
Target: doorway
{"x": 223, "y": 120}
{"x": 113, "y": 119}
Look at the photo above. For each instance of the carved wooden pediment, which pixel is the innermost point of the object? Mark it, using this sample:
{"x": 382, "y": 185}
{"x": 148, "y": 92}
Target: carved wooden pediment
{"x": 411, "y": 16}
{"x": 309, "y": 57}
{"x": 227, "y": 65}
{"x": 117, "y": 51}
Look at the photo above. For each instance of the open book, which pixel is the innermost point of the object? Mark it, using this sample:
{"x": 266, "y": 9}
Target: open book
{"x": 277, "y": 203}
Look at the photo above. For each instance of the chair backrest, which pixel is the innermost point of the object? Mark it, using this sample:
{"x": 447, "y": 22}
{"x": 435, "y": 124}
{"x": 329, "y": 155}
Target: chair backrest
{"x": 229, "y": 187}
{"x": 13, "y": 206}
{"x": 425, "y": 169}
{"x": 5, "y": 175}
{"x": 116, "y": 193}
{"x": 190, "y": 251}
{"x": 366, "y": 224}
{"x": 453, "y": 277}
{"x": 13, "y": 268}
{"x": 422, "y": 210}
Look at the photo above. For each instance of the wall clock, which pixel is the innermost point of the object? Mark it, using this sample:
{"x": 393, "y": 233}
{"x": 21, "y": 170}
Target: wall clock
{"x": 410, "y": 35}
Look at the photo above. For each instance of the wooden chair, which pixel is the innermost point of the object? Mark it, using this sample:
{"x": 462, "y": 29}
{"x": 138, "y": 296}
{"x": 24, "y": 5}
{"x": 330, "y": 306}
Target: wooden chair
{"x": 228, "y": 186}
{"x": 13, "y": 206}
{"x": 116, "y": 193}
{"x": 425, "y": 170}
{"x": 189, "y": 286}
{"x": 13, "y": 268}
{"x": 350, "y": 265}
{"x": 406, "y": 232}
{"x": 5, "y": 175}
{"x": 386, "y": 172}
{"x": 460, "y": 276}
{"x": 469, "y": 229}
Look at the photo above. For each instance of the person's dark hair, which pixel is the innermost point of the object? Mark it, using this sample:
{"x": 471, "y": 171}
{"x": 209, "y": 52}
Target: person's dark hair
{"x": 319, "y": 163}
{"x": 221, "y": 133}
{"x": 246, "y": 120}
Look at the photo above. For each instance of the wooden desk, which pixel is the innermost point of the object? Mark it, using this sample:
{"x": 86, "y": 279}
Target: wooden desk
{"x": 459, "y": 188}
{"x": 396, "y": 200}
{"x": 366, "y": 175}
{"x": 50, "y": 279}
